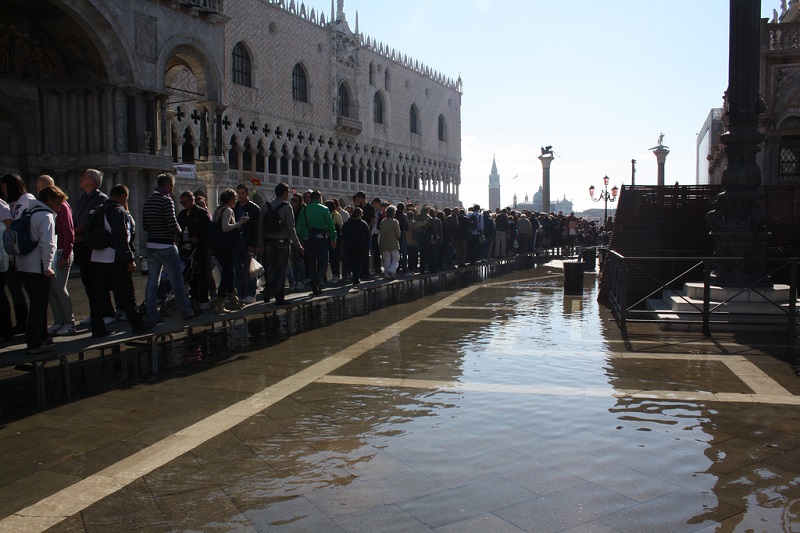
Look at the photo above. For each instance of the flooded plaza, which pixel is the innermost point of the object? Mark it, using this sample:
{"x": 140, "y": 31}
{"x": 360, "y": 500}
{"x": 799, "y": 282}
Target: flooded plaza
{"x": 501, "y": 406}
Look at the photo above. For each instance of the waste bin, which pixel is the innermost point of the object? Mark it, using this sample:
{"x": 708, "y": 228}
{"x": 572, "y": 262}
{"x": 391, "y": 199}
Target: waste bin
{"x": 589, "y": 256}
{"x": 573, "y": 278}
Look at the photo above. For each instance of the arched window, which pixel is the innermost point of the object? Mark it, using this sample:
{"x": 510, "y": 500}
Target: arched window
{"x": 299, "y": 84}
{"x": 412, "y": 120}
{"x": 377, "y": 109}
{"x": 789, "y": 151}
{"x": 386, "y": 80}
{"x": 442, "y": 129}
{"x": 371, "y": 73}
{"x": 344, "y": 101}
{"x": 240, "y": 66}
{"x": 789, "y": 158}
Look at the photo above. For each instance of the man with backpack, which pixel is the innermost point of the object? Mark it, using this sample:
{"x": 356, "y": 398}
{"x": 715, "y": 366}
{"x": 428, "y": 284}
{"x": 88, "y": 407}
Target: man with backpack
{"x": 276, "y": 230}
{"x": 35, "y": 266}
{"x": 92, "y": 197}
{"x": 114, "y": 263}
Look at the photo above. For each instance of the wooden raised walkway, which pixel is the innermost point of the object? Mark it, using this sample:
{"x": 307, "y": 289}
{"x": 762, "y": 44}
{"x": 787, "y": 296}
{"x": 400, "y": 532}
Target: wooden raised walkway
{"x": 69, "y": 352}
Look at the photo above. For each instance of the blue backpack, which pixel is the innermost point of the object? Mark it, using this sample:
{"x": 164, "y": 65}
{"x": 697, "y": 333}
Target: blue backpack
{"x": 17, "y": 238}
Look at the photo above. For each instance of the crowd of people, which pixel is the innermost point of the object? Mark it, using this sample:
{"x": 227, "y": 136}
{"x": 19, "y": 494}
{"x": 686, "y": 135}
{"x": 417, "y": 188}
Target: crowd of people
{"x": 297, "y": 241}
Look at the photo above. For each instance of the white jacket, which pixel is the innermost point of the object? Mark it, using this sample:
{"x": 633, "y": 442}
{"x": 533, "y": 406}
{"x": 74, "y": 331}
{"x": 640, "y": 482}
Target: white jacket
{"x": 43, "y": 230}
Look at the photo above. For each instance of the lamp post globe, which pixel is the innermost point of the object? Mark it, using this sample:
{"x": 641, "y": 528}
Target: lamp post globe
{"x": 604, "y": 196}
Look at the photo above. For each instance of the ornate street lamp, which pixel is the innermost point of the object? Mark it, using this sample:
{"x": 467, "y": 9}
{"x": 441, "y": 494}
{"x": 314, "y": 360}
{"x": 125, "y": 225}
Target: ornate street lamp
{"x": 605, "y": 197}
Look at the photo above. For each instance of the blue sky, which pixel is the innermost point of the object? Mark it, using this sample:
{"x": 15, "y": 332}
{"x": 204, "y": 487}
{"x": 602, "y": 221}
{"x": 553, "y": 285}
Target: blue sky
{"x": 597, "y": 80}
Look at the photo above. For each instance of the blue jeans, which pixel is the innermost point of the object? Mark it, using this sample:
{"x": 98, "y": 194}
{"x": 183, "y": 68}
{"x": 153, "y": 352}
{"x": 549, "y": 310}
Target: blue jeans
{"x": 317, "y": 251}
{"x": 169, "y": 260}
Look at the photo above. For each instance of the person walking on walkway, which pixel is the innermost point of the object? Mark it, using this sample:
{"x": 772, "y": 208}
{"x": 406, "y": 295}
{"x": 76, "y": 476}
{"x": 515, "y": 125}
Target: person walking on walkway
{"x": 246, "y": 209}
{"x": 161, "y": 225}
{"x": 114, "y": 265}
{"x": 194, "y": 222}
{"x": 525, "y": 229}
{"x": 225, "y": 241}
{"x": 6, "y": 329}
{"x": 90, "y": 182}
{"x": 276, "y": 232}
{"x": 19, "y": 199}
{"x": 334, "y": 252}
{"x": 316, "y": 226}
{"x": 389, "y": 242}
{"x": 35, "y": 268}
{"x": 60, "y": 301}
{"x": 368, "y": 216}
{"x": 356, "y": 240}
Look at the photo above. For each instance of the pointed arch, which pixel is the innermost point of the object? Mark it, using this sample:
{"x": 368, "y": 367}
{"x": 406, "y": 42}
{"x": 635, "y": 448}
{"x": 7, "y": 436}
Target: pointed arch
{"x": 378, "y": 108}
{"x": 413, "y": 119}
{"x": 345, "y": 99}
{"x": 241, "y": 68}
{"x": 233, "y": 154}
{"x": 442, "y": 129}
{"x": 299, "y": 83}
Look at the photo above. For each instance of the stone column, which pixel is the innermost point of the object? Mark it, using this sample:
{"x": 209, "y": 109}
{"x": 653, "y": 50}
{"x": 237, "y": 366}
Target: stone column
{"x": 218, "y": 142}
{"x": 738, "y": 225}
{"x": 661, "y": 153}
{"x": 546, "y": 160}
{"x": 109, "y": 119}
{"x": 133, "y": 136}
{"x": 150, "y": 123}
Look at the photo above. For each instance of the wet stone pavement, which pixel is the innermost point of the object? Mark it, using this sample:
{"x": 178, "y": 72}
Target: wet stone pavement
{"x": 499, "y": 407}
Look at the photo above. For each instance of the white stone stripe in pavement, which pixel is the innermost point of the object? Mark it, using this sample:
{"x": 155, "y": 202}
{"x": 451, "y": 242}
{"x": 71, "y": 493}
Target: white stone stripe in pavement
{"x": 58, "y": 507}
{"x": 473, "y": 320}
{"x": 551, "y": 390}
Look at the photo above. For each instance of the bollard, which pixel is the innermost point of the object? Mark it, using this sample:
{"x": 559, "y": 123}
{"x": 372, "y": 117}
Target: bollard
{"x": 573, "y": 278}
{"x": 589, "y": 257}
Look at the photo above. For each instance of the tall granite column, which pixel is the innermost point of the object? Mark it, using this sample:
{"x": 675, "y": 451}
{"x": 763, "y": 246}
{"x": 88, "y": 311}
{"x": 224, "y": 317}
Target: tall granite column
{"x": 546, "y": 159}
{"x": 737, "y": 221}
{"x": 661, "y": 153}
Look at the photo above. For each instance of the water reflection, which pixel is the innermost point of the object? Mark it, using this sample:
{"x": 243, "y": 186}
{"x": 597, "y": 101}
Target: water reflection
{"x": 340, "y": 448}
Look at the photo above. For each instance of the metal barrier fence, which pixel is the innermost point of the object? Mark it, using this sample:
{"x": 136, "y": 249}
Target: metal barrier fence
{"x": 707, "y": 313}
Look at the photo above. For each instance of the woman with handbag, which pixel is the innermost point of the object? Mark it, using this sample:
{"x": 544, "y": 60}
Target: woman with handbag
{"x": 225, "y": 243}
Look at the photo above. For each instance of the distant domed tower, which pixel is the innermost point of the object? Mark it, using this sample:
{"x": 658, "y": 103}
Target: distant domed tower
{"x": 494, "y": 187}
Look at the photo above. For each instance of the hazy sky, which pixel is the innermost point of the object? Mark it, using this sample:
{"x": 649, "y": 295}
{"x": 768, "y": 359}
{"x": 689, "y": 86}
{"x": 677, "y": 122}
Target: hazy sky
{"x": 598, "y": 80}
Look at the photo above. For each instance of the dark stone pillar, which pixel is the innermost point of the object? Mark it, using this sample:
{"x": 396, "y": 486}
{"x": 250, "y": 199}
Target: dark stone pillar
{"x": 737, "y": 222}
{"x": 132, "y": 135}
{"x": 218, "y": 141}
{"x": 150, "y": 124}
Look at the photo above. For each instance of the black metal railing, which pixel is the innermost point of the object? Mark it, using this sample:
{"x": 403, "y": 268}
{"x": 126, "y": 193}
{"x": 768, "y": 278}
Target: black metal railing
{"x": 662, "y": 274}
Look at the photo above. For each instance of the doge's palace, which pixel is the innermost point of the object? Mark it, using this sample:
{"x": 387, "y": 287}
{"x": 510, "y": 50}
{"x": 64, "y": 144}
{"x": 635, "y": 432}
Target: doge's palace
{"x": 224, "y": 92}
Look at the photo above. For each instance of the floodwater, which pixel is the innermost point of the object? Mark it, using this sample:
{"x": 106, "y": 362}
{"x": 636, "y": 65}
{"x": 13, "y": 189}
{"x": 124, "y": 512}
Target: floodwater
{"x": 501, "y": 406}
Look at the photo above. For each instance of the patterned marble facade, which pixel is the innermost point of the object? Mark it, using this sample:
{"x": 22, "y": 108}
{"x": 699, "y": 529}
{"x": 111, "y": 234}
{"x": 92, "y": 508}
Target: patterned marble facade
{"x": 253, "y": 91}
{"x": 780, "y": 87}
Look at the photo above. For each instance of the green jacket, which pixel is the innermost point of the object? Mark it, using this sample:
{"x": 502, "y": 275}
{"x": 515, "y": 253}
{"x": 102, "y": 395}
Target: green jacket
{"x": 315, "y": 216}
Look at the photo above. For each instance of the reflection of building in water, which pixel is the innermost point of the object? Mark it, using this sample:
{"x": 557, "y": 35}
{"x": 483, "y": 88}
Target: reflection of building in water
{"x": 247, "y": 90}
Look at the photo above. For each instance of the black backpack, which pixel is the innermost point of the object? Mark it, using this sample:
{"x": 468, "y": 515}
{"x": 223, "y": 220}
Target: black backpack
{"x": 95, "y": 233}
{"x": 17, "y": 238}
{"x": 273, "y": 222}
{"x": 473, "y": 222}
